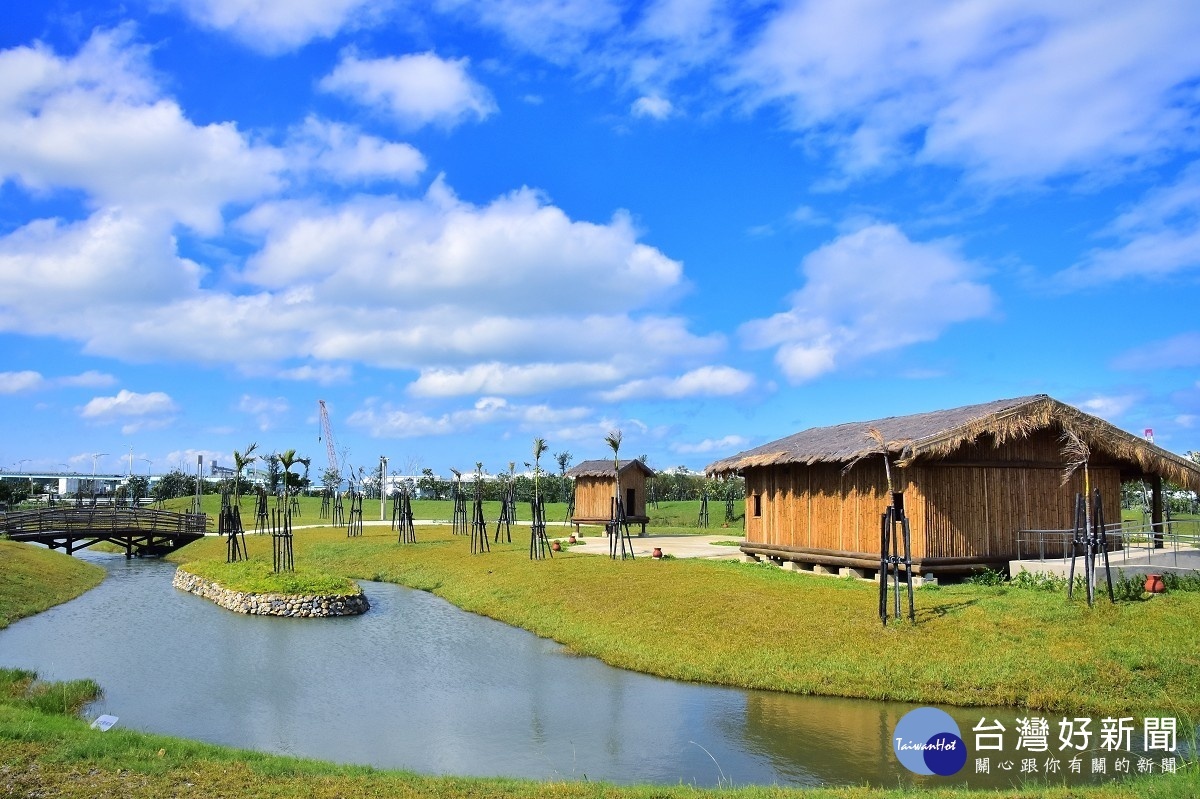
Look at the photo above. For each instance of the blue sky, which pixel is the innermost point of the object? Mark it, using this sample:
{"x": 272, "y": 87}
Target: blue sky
{"x": 467, "y": 224}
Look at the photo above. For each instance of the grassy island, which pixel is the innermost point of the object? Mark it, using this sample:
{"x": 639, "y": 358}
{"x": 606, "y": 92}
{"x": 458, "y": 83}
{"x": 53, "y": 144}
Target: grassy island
{"x": 256, "y": 577}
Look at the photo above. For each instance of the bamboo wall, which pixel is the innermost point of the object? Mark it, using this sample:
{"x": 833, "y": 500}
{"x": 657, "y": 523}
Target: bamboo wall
{"x": 970, "y": 505}
{"x": 593, "y": 496}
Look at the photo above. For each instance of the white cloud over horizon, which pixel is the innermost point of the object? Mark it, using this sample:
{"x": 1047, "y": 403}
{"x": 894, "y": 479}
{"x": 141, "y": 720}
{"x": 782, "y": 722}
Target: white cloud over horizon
{"x": 386, "y": 420}
{"x": 96, "y": 122}
{"x": 729, "y": 443}
{"x": 137, "y": 411}
{"x": 29, "y": 380}
{"x": 869, "y": 291}
{"x": 706, "y": 381}
{"x": 276, "y": 26}
{"x": 1155, "y": 239}
{"x": 465, "y": 223}
{"x": 415, "y": 90}
{"x": 1008, "y": 92}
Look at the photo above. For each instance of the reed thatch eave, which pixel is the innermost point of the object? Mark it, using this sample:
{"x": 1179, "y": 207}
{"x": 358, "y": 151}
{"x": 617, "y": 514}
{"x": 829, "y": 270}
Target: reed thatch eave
{"x": 604, "y": 468}
{"x": 937, "y": 435}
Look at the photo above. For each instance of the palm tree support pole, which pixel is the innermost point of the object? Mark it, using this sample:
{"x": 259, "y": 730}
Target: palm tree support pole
{"x": 894, "y": 532}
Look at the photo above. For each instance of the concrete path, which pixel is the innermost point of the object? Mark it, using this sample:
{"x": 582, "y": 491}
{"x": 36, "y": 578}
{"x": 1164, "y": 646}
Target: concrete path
{"x": 1129, "y": 562}
{"x": 679, "y": 545}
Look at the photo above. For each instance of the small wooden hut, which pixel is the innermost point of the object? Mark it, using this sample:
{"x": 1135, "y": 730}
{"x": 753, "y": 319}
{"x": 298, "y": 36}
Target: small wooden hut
{"x": 595, "y": 490}
{"x": 973, "y": 479}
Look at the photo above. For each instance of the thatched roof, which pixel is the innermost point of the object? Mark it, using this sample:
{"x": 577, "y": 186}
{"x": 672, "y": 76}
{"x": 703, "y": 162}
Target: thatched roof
{"x": 930, "y": 436}
{"x": 604, "y": 468}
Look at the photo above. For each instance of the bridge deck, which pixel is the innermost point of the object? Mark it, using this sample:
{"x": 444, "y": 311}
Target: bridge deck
{"x": 140, "y": 531}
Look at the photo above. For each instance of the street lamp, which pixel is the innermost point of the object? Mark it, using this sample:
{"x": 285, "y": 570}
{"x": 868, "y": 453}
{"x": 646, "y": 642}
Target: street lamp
{"x": 382, "y": 474}
{"x": 18, "y": 465}
{"x": 147, "y": 462}
{"x": 94, "y": 457}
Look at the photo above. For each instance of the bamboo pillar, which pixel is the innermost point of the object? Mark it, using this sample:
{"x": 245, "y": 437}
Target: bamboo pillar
{"x": 1156, "y": 510}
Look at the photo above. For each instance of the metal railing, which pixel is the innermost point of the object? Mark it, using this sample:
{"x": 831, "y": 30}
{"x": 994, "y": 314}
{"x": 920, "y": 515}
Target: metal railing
{"x": 69, "y": 520}
{"x": 1132, "y": 540}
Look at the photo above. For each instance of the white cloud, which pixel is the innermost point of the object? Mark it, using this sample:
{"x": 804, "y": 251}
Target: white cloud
{"x": 274, "y": 26}
{"x": 385, "y": 420}
{"x": 553, "y": 29}
{"x": 82, "y": 273}
{"x": 1108, "y": 407}
{"x": 725, "y": 444}
{"x": 1156, "y": 239}
{"x": 185, "y": 459}
{"x": 1007, "y": 91}
{"x": 673, "y": 38}
{"x": 416, "y": 90}
{"x": 19, "y": 382}
{"x": 1181, "y": 351}
{"x": 346, "y": 155}
{"x": 707, "y": 381}
{"x": 868, "y": 292}
{"x": 494, "y": 254}
{"x": 321, "y": 374}
{"x": 501, "y": 378}
{"x": 96, "y": 122}
{"x": 145, "y": 411}
{"x": 267, "y": 411}
{"x": 654, "y": 107}
{"x": 88, "y": 379}
{"x": 373, "y": 280}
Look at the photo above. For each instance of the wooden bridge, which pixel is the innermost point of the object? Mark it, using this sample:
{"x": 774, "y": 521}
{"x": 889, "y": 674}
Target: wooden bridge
{"x": 140, "y": 531}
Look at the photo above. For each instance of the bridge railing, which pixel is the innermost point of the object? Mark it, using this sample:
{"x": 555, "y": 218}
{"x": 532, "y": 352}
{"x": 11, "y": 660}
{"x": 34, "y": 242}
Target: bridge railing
{"x": 97, "y": 519}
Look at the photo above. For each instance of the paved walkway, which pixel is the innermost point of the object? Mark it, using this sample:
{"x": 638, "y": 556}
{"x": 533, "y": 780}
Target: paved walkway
{"x": 1129, "y": 562}
{"x": 678, "y": 545}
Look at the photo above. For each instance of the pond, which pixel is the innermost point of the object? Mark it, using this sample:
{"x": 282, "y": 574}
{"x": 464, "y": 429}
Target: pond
{"x": 418, "y": 684}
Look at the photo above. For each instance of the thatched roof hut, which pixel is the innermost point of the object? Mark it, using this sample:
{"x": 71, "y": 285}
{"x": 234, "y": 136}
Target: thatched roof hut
{"x": 595, "y": 488}
{"x": 973, "y": 478}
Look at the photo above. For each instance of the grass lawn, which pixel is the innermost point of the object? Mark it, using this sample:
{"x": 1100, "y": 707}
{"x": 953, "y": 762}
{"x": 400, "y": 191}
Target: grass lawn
{"x": 33, "y": 579}
{"x": 256, "y": 577}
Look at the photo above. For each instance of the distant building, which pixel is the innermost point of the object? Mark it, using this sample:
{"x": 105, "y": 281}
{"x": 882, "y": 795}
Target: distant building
{"x": 595, "y": 491}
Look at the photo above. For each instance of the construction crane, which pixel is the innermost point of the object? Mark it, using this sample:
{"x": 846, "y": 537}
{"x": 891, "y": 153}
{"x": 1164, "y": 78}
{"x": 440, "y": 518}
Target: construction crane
{"x": 327, "y": 434}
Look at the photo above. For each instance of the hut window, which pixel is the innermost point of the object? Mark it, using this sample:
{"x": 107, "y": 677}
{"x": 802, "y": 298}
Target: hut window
{"x": 758, "y": 504}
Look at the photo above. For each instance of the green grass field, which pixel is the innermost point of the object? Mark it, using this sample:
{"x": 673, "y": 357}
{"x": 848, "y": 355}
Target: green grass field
{"x": 667, "y": 517}
{"x": 33, "y": 579}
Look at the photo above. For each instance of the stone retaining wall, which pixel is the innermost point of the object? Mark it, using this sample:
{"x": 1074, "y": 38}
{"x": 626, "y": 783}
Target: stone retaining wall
{"x": 271, "y": 604}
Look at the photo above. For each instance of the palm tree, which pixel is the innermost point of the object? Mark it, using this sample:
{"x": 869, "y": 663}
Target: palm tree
{"x": 539, "y": 447}
{"x": 287, "y": 458}
{"x": 564, "y": 460}
{"x": 240, "y": 461}
{"x": 613, "y": 439}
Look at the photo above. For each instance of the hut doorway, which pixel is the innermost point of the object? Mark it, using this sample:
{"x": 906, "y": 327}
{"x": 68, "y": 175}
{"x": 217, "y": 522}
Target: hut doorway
{"x": 630, "y": 496}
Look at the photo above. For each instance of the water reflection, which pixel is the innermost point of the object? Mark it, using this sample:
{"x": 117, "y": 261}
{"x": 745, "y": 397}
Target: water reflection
{"x": 418, "y": 684}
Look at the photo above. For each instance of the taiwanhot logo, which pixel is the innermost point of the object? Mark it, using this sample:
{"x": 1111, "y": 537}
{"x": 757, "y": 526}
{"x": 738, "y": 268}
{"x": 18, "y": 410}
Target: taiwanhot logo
{"x": 927, "y": 741}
